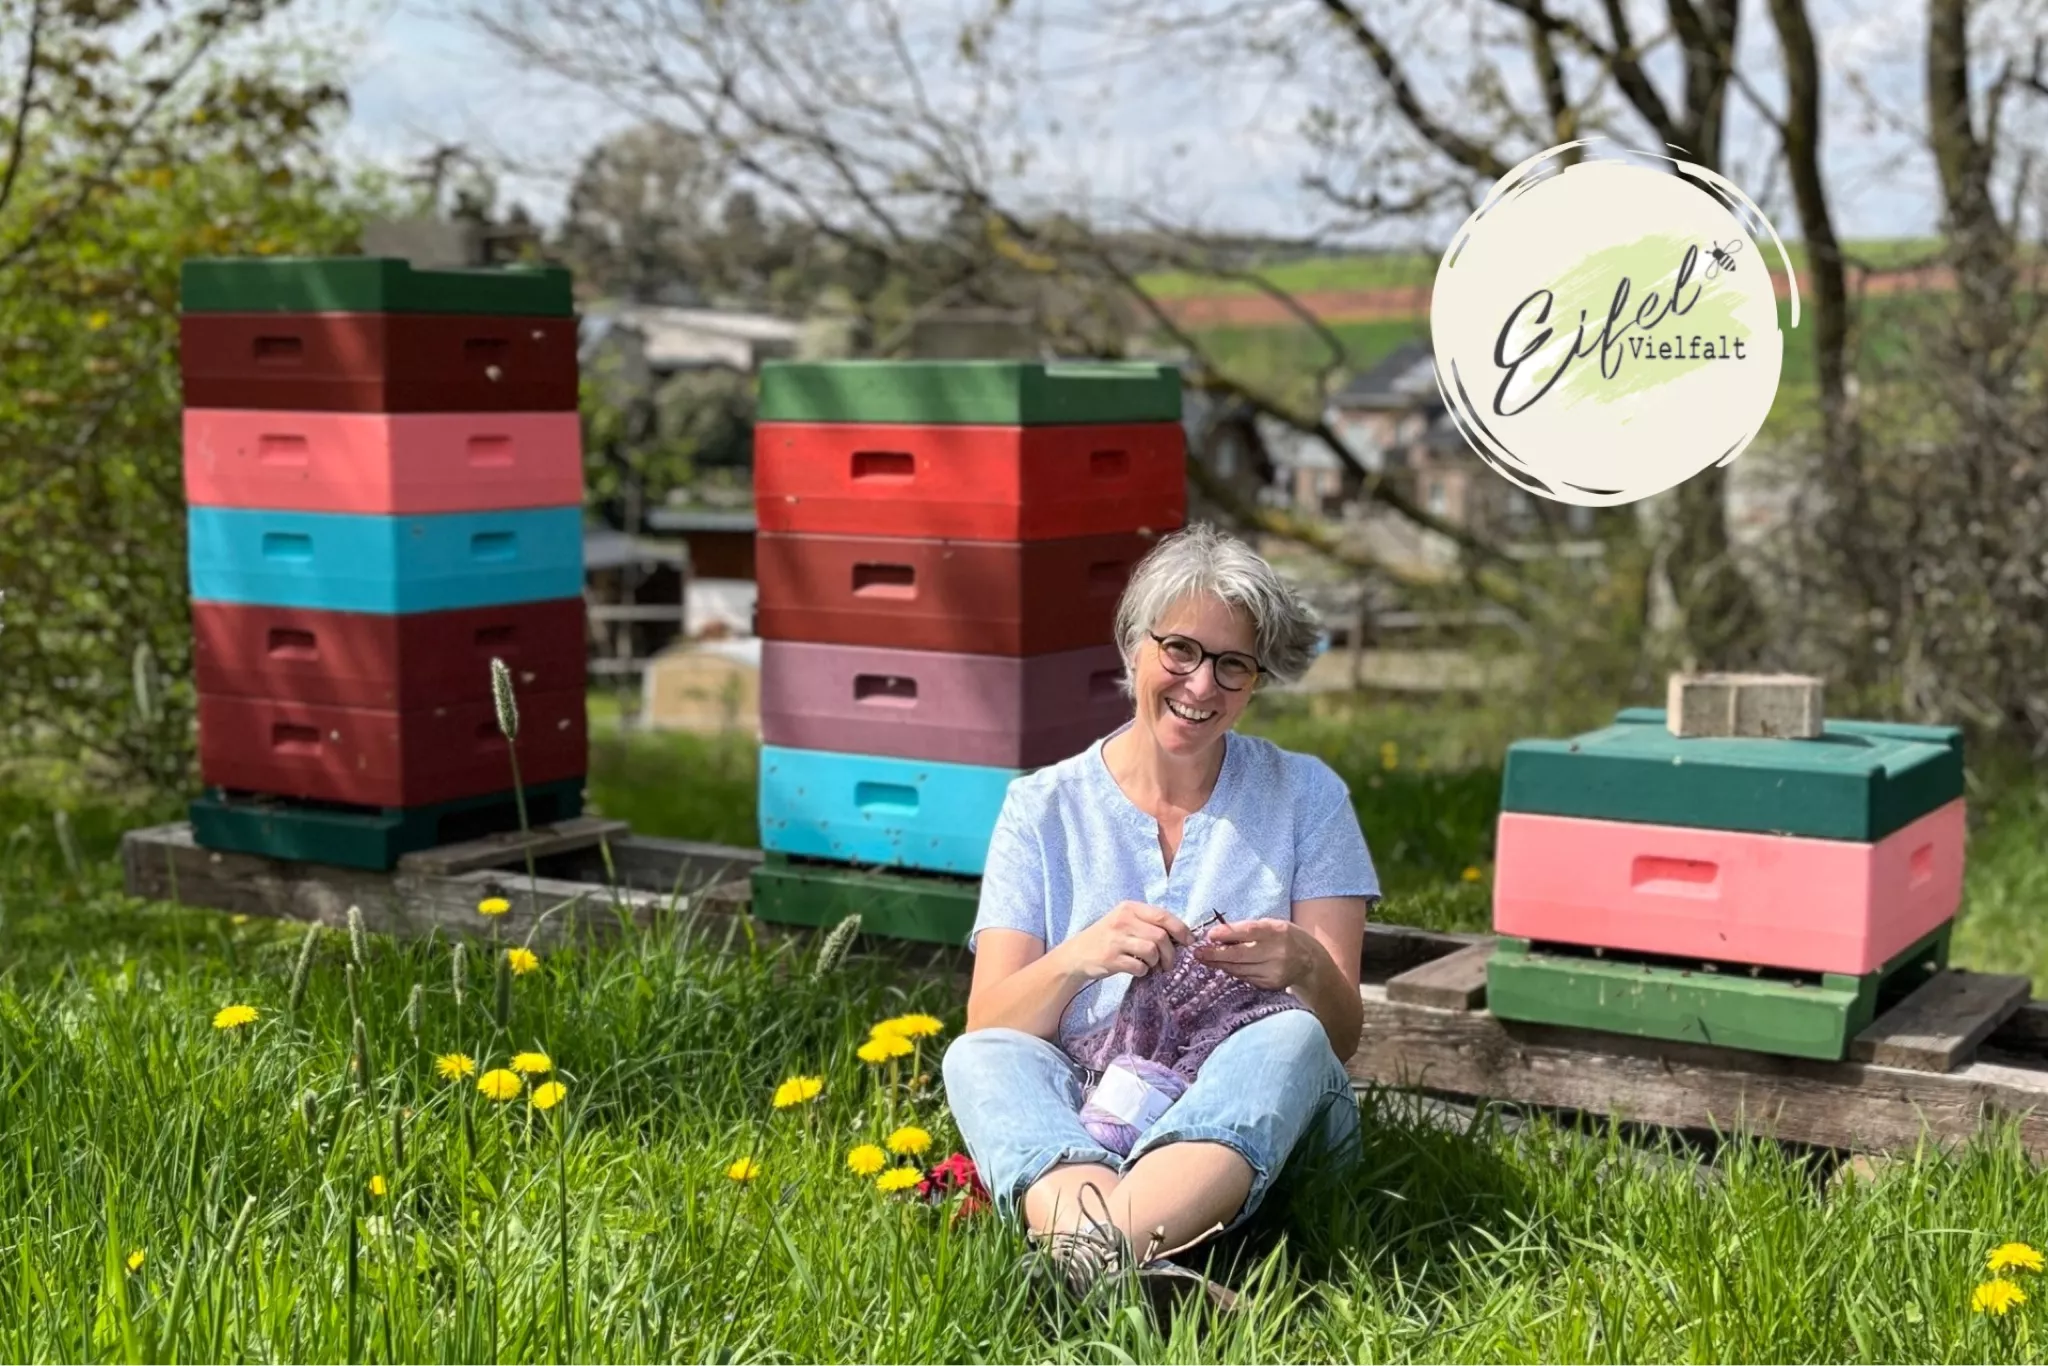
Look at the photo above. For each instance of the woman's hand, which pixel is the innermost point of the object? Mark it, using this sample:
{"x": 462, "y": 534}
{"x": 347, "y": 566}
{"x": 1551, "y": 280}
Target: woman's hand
{"x": 1273, "y": 954}
{"x": 1133, "y": 938}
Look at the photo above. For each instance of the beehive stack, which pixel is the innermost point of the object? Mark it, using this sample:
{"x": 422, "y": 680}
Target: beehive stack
{"x": 1766, "y": 894}
{"x": 384, "y": 479}
{"x": 940, "y": 551}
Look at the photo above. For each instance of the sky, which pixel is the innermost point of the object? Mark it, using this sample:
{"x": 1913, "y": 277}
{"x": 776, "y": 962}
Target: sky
{"x": 1196, "y": 145}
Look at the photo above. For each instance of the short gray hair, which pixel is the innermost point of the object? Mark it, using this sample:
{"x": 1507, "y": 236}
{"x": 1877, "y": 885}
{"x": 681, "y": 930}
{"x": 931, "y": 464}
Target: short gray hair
{"x": 1200, "y": 559}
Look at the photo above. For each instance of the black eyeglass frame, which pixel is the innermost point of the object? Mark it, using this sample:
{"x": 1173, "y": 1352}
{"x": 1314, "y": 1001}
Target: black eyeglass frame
{"x": 1218, "y": 656}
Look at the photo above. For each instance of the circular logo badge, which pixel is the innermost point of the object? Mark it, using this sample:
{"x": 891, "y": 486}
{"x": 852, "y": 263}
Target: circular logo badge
{"x": 1606, "y": 330}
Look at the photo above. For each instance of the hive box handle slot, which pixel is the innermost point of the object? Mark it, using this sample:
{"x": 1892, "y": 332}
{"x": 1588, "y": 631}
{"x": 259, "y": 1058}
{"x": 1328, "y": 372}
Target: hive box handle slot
{"x": 885, "y": 580}
{"x": 487, "y": 636}
{"x": 490, "y": 452}
{"x": 290, "y": 643}
{"x": 483, "y": 349}
{"x": 1109, "y": 464}
{"x": 494, "y": 546}
{"x": 488, "y": 734}
{"x": 1659, "y": 876}
{"x": 283, "y": 351}
{"x": 891, "y": 467}
{"x": 280, "y": 448}
{"x": 287, "y": 545}
{"x": 885, "y": 797}
{"x": 1920, "y": 866}
{"x": 1108, "y": 576}
{"x": 885, "y": 690}
{"x": 286, "y": 738}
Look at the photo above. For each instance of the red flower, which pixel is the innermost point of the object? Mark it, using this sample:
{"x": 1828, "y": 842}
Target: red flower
{"x": 956, "y": 1175}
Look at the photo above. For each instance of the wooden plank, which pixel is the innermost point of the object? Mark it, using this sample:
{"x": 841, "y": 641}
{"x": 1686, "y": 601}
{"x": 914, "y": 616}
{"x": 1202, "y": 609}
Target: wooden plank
{"x": 1941, "y": 1024}
{"x": 510, "y": 847}
{"x": 1778, "y": 706}
{"x": 1850, "y": 1105}
{"x": 1457, "y": 981}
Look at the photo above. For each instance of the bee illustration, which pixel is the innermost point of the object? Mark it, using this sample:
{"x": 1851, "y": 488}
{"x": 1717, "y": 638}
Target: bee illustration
{"x": 1722, "y": 257}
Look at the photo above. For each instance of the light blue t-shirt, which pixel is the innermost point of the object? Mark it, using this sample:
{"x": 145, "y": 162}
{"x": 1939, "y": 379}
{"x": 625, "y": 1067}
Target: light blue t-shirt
{"x": 1069, "y": 845}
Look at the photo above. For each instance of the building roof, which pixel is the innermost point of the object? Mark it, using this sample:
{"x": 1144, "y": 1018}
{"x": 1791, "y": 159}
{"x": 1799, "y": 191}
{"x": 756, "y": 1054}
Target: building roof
{"x": 604, "y": 548}
{"x": 685, "y": 520}
{"x": 687, "y": 338}
{"x": 1403, "y": 379}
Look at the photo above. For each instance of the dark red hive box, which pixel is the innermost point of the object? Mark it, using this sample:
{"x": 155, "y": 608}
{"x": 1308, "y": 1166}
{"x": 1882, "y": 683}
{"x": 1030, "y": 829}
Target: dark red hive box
{"x": 975, "y": 597}
{"x": 378, "y": 362}
{"x": 402, "y": 661}
{"x": 969, "y": 482}
{"x": 378, "y": 757}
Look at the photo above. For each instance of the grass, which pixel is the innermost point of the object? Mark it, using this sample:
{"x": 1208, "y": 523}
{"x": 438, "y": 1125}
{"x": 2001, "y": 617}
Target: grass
{"x": 1384, "y": 270}
{"x": 607, "y": 1228}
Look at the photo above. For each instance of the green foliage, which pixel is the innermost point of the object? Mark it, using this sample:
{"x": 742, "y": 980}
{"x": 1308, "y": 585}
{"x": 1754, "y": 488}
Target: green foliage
{"x": 126, "y": 173}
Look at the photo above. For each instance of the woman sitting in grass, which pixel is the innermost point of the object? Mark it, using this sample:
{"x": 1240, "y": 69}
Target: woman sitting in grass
{"x": 1099, "y": 872}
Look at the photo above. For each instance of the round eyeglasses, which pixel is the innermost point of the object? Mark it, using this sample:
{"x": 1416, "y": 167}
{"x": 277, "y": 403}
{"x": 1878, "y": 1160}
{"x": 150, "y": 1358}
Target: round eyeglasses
{"x": 1182, "y": 655}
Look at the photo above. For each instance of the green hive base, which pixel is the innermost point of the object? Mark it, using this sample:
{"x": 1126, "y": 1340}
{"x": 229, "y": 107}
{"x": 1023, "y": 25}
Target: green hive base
{"x": 368, "y": 837}
{"x": 985, "y": 392}
{"x": 368, "y": 284}
{"x": 932, "y": 908}
{"x": 1811, "y": 1017}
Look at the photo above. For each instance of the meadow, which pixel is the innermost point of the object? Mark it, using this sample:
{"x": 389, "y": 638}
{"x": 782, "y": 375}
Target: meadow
{"x": 300, "y": 1187}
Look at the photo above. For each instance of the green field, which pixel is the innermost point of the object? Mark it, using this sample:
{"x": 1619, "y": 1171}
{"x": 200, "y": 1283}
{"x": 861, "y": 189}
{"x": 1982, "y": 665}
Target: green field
{"x": 1405, "y": 269}
{"x": 169, "y": 1189}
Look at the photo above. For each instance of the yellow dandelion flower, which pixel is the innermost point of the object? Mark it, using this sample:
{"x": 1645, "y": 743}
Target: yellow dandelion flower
{"x": 883, "y": 1048}
{"x": 522, "y": 961}
{"x": 909, "y": 1141}
{"x": 744, "y": 1169}
{"x": 493, "y": 905}
{"x": 455, "y": 1066}
{"x": 135, "y": 1260}
{"x": 2014, "y": 1256}
{"x": 1996, "y": 1297}
{"x": 866, "y": 1160}
{"x": 532, "y": 1064}
{"x": 233, "y": 1017}
{"x": 1471, "y": 875}
{"x": 499, "y": 1084}
{"x": 797, "y": 1090}
{"x": 548, "y": 1095}
{"x": 908, "y": 1027}
{"x": 377, "y": 1186}
{"x": 897, "y": 1179}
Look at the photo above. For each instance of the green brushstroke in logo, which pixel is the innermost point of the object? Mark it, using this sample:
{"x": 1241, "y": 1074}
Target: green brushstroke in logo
{"x": 1650, "y": 264}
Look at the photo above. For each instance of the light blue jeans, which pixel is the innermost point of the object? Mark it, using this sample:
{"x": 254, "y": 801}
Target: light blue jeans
{"x": 1017, "y": 1100}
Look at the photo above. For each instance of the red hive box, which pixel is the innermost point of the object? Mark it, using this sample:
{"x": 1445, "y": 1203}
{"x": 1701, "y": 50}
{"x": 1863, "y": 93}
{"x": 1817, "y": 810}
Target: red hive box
{"x": 967, "y": 482}
{"x": 379, "y": 757}
{"x": 974, "y": 597}
{"x": 379, "y": 362}
{"x": 403, "y": 661}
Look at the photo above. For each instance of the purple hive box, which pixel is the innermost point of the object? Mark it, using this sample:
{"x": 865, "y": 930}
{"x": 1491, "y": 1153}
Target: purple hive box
{"x": 1000, "y": 711}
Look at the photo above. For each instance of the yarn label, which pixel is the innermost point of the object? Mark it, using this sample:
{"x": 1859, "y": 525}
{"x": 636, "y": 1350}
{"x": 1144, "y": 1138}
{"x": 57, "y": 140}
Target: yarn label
{"x": 1128, "y": 1096}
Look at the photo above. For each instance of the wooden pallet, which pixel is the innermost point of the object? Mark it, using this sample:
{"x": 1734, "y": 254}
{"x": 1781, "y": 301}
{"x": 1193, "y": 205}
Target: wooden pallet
{"x": 1962, "y": 1048}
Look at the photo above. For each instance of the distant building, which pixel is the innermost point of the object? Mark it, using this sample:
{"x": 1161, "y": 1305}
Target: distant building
{"x": 655, "y": 341}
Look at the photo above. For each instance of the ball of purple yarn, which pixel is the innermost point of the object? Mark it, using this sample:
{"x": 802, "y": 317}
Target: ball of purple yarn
{"x": 1111, "y": 1132}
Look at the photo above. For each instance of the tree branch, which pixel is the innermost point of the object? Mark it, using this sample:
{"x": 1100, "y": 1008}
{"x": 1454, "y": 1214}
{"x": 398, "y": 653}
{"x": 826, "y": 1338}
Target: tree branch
{"x": 19, "y": 138}
{"x": 1472, "y": 156}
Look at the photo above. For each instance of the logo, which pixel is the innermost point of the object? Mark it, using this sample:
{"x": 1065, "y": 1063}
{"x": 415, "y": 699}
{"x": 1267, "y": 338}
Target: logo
{"x": 1605, "y": 330}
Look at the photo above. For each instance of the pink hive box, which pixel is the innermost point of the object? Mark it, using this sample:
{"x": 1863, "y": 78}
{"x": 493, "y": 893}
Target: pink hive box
{"x": 1785, "y": 901}
{"x": 382, "y": 463}
{"x": 1002, "y": 711}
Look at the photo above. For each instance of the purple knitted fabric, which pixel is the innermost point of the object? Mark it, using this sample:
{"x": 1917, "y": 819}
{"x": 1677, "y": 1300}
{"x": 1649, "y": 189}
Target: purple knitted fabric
{"x": 1178, "y": 1017}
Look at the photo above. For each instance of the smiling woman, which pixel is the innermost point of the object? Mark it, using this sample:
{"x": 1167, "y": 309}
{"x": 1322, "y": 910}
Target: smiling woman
{"x": 1097, "y": 869}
